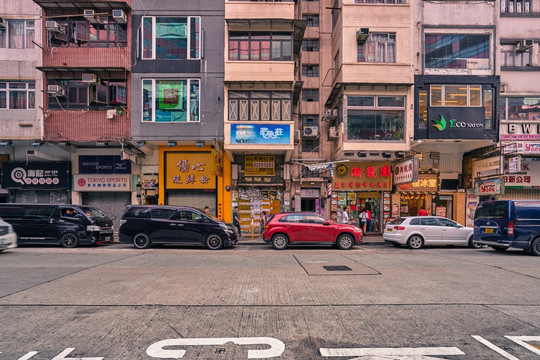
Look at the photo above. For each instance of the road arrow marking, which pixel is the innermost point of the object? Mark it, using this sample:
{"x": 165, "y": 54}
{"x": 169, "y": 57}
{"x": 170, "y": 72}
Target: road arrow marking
{"x": 494, "y": 347}
{"x": 28, "y": 355}
{"x": 68, "y": 351}
{"x": 521, "y": 340}
{"x": 393, "y": 353}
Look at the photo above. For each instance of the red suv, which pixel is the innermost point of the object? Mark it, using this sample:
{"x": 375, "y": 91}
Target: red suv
{"x": 309, "y": 228}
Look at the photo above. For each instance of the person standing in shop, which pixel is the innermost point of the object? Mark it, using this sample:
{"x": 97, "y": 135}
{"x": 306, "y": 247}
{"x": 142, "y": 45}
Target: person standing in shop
{"x": 345, "y": 216}
{"x": 363, "y": 220}
{"x": 422, "y": 212}
{"x": 368, "y": 212}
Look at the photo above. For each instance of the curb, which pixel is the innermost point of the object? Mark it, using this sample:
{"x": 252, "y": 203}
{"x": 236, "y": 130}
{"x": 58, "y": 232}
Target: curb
{"x": 376, "y": 240}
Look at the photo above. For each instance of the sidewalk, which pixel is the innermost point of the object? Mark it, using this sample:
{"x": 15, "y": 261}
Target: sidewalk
{"x": 257, "y": 240}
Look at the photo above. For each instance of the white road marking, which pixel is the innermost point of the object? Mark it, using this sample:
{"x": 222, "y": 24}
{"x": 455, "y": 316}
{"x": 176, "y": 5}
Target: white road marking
{"x": 384, "y": 353}
{"x": 28, "y": 355}
{"x": 494, "y": 347}
{"x": 276, "y": 346}
{"x": 521, "y": 340}
{"x": 68, "y": 351}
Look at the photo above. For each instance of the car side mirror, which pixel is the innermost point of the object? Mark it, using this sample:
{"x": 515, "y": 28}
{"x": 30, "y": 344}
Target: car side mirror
{"x": 327, "y": 223}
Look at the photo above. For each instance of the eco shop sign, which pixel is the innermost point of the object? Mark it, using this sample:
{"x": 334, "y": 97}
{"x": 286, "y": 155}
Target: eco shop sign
{"x": 456, "y": 123}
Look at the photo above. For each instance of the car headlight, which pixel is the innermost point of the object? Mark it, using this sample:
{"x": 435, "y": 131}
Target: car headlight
{"x": 93, "y": 228}
{"x": 224, "y": 227}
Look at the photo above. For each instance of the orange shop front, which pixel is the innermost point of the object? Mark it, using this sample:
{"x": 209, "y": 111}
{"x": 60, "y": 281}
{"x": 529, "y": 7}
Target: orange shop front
{"x": 359, "y": 185}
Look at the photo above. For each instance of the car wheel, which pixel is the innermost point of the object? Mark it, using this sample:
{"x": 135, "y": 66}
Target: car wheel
{"x": 280, "y": 241}
{"x": 499, "y": 248}
{"x": 535, "y": 247}
{"x": 214, "y": 242}
{"x": 345, "y": 242}
{"x": 69, "y": 240}
{"x": 415, "y": 242}
{"x": 141, "y": 241}
{"x": 474, "y": 244}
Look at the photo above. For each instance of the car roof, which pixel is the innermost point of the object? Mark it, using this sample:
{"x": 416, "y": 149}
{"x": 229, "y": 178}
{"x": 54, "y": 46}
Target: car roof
{"x": 176, "y": 207}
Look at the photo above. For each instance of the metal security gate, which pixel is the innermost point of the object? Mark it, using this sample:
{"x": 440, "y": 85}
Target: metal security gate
{"x": 194, "y": 198}
{"x": 111, "y": 203}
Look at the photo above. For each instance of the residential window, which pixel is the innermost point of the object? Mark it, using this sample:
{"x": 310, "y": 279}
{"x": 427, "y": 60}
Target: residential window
{"x": 457, "y": 51}
{"x": 77, "y": 94}
{"x": 516, "y": 55}
{"x": 310, "y": 95}
{"x": 520, "y": 108}
{"x": 17, "y": 95}
{"x": 171, "y": 100}
{"x": 515, "y": 6}
{"x": 422, "y": 109}
{"x": 258, "y": 46}
{"x": 260, "y": 106}
{"x": 456, "y": 95}
{"x": 379, "y": 48}
{"x": 310, "y": 70}
{"x": 375, "y": 117}
{"x": 18, "y": 34}
{"x": 310, "y": 120}
{"x": 380, "y": 1}
{"x": 312, "y": 20}
{"x": 310, "y": 45}
{"x": 171, "y": 38}
{"x": 78, "y": 32}
{"x": 309, "y": 145}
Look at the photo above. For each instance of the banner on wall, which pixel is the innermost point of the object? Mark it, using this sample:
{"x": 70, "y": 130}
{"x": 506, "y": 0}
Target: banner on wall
{"x": 189, "y": 170}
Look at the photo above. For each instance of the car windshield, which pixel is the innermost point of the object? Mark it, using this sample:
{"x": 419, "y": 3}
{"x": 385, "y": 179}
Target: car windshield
{"x": 93, "y": 212}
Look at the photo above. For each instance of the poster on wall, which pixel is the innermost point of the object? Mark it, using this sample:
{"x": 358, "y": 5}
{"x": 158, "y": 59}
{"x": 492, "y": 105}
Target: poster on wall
{"x": 440, "y": 211}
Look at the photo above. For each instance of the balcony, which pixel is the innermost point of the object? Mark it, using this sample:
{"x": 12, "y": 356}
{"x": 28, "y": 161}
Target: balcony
{"x": 72, "y": 125}
{"x": 257, "y": 71}
{"x": 79, "y": 5}
{"x": 257, "y": 10}
{"x": 86, "y": 59}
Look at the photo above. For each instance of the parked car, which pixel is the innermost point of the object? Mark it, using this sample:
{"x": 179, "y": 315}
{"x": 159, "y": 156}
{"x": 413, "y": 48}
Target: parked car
{"x": 302, "y": 228}
{"x": 417, "y": 231}
{"x": 67, "y": 225}
{"x": 508, "y": 223}
{"x": 8, "y": 238}
{"x": 144, "y": 225}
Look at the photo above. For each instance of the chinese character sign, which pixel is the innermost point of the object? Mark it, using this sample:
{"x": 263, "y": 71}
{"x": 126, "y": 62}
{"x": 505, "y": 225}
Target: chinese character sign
{"x": 190, "y": 170}
{"x": 362, "y": 176}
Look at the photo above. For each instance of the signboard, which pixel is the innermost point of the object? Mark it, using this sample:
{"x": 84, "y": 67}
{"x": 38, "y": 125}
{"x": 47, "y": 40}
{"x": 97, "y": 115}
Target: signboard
{"x": 488, "y": 187}
{"x": 425, "y": 183}
{"x": 523, "y": 148}
{"x": 261, "y": 134}
{"x": 38, "y": 175}
{"x": 189, "y": 170}
{"x": 528, "y": 176}
{"x": 528, "y": 129}
{"x": 103, "y": 164}
{"x": 260, "y": 165}
{"x": 105, "y": 182}
{"x": 514, "y": 164}
{"x": 487, "y": 167}
{"x": 456, "y": 123}
{"x": 362, "y": 176}
{"x": 405, "y": 171}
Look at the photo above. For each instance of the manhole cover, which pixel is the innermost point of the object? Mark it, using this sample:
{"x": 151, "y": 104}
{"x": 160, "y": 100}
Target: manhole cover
{"x": 337, "y": 268}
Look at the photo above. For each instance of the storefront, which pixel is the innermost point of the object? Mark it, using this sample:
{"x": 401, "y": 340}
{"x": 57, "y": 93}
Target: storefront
{"x": 362, "y": 185}
{"x": 420, "y": 194}
{"x": 259, "y": 187}
{"x": 189, "y": 176}
{"x": 104, "y": 181}
{"x": 38, "y": 182}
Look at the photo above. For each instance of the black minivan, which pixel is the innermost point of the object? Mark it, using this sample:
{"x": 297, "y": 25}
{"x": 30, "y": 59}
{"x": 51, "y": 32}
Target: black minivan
{"x": 503, "y": 224}
{"x": 144, "y": 225}
{"x": 67, "y": 225}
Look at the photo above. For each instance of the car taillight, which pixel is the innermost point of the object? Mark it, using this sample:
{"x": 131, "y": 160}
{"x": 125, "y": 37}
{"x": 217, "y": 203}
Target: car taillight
{"x": 399, "y": 227}
{"x": 510, "y": 230}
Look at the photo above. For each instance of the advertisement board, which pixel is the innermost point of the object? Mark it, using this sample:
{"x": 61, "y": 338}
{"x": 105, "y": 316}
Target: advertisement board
{"x": 101, "y": 182}
{"x": 405, "y": 171}
{"x": 189, "y": 170}
{"x": 261, "y": 134}
{"x": 38, "y": 175}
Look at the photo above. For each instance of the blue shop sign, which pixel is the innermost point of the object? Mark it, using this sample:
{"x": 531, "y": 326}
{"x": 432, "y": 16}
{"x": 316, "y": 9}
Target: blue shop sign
{"x": 260, "y": 134}
{"x": 103, "y": 164}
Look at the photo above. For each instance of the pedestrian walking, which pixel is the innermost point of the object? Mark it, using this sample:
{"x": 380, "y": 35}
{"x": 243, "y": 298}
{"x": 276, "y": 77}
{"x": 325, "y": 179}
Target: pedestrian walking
{"x": 236, "y": 220}
{"x": 363, "y": 219}
{"x": 263, "y": 220}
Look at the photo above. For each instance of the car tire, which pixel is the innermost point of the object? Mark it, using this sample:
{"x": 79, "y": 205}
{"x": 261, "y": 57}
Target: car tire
{"x": 214, "y": 242}
{"x": 69, "y": 240}
{"x": 535, "y": 247}
{"x": 474, "y": 244}
{"x": 345, "y": 241}
{"x": 499, "y": 248}
{"x": 280, "y": 241}
{"x": 141, "y": 241}
{"x": 415, "y": 242}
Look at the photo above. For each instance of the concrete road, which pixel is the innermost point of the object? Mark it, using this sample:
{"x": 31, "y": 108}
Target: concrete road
{"x": 251, "y": 302}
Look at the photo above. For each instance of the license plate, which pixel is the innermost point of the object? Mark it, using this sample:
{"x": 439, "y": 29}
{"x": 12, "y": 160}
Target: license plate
{"x": 488, "y": 231}
{"x": 107, "y": 238}
{"x": 389, "y": 230}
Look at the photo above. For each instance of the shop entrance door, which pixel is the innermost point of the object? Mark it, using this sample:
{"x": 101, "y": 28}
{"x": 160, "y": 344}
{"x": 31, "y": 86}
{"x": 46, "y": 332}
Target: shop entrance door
{"x": 308, "y": 205}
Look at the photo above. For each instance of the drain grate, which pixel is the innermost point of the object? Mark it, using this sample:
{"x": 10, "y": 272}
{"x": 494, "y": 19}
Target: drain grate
{"x": 337, "y": 268}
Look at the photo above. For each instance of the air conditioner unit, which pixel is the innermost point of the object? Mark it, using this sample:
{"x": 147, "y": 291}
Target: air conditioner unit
{"x": 362, "y": 34}
{"x": 524, "y": 45}
{"x": 53, "y": 26}
{"x": 330, "y": 114}
{"x": 332, "y": 132}
{"x": 55, "y": 90}
{"x": 90, "y": 16}
{"x": 311, "y": 131}
{"x": 3, "y": 23}
{"x": 89, "y": 78}
{"x": 119, "y": 16}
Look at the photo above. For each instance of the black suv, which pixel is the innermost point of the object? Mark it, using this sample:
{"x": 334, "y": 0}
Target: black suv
{"x": 144, "y": 225}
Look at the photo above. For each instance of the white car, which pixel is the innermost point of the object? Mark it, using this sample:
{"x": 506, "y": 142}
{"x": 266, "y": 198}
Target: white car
{"x": 417, "y": 231}
{"x": 8, "y": 239}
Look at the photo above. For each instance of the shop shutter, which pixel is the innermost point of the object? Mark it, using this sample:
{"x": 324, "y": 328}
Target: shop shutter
{"x": 194, "y": 198}
{"x": 111, "y": 203}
